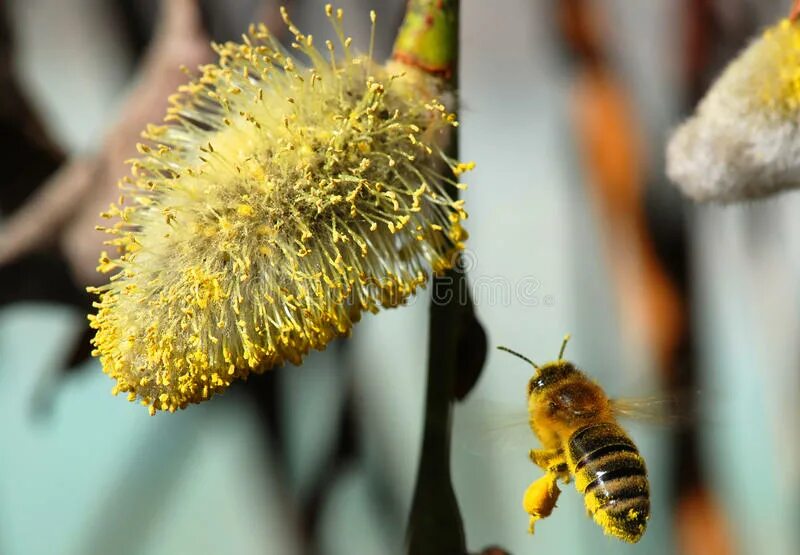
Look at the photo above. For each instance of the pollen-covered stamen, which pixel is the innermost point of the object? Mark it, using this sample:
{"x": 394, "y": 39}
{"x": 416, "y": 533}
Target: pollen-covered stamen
{"x": 279, "y": 202}
{"x": 779, "y": 86}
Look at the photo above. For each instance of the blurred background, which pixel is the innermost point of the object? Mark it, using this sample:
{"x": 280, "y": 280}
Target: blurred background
{"x": 566, "y": 107}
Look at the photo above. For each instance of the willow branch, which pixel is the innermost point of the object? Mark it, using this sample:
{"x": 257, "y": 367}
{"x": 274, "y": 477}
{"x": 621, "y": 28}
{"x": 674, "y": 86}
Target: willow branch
{"x": 42, "y": 216}
{"x": 428, "y": 40}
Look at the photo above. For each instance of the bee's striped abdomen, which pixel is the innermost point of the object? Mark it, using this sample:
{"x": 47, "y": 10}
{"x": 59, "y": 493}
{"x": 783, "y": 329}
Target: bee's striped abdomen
{"x": 611, "y": 475}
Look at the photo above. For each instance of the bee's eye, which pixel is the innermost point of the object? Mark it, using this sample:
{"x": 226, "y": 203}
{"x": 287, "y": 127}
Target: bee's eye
{"x": 536, "y": 383}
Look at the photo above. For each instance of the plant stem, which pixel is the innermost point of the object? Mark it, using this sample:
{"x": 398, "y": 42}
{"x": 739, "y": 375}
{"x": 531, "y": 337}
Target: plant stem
{"x": 428, "y": 37}
{"x": 428, "y": 40}
{"x": 435, "y": 524}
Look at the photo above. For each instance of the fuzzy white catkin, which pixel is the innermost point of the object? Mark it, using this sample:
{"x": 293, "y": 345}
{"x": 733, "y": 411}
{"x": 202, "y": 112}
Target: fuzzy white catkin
{"x": 743, "y": 141}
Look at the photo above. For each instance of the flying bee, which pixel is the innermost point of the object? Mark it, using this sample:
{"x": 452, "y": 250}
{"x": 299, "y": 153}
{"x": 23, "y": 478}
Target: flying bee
{"x": 575, "y": 422}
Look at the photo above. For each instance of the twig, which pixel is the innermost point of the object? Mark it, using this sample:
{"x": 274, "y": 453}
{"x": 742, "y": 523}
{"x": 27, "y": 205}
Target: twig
{"x": 428, "y": 40}
{"x": 67, "y": 208}
{"x": 42, "y": 217}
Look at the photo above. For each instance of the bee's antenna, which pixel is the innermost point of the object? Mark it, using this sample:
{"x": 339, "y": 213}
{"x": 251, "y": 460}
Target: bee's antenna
{"x": 523, "y": 357}
{"x": 563, "y": 346}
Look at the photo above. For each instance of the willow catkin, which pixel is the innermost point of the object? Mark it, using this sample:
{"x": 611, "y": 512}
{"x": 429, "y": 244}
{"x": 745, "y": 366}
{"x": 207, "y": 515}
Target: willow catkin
{"x": 743, "y": 141}
{"x": 279, "y": 201}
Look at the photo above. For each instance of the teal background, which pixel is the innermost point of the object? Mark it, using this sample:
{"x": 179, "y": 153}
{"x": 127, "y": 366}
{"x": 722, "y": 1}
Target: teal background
{"x": 82, "y": 472}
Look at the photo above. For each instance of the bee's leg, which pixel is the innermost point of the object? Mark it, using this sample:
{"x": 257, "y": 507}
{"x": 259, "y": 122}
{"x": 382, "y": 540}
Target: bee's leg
{"x": 549, "y": 460}
{"x": 546, "y": 458}
{"x": 540, "y": 498}
{"x": 552, "y": 461}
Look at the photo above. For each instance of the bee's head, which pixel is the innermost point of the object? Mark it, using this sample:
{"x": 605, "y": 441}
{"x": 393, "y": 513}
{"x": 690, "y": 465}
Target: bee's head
{"x": 549, "y": 374}
{"x": 561, "y": 397}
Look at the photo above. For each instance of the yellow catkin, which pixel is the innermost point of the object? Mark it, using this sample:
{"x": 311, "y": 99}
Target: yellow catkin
{"x": 281, "y": 200}
{"x": 778, "y": 78}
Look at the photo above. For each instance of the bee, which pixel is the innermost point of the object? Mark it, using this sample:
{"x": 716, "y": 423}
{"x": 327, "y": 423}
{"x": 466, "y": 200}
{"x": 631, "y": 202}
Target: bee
{"x": 575, "y": 422}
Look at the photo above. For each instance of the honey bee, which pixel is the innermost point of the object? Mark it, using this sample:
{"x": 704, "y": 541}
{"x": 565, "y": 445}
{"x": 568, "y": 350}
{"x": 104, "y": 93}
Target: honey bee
{"x": 575, "y": 422}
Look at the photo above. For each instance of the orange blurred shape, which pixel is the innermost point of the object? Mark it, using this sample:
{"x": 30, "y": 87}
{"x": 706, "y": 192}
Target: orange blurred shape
{"x": 701, "y": 528}
{"x": 494, "y": 550}
{"x": 698, "y": 19}
{"x": 579, "y": 29}
{"x": 612, "y": 148}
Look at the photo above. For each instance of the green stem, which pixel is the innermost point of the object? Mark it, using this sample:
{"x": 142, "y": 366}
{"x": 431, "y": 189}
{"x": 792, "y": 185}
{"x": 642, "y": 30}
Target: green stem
{"x": 428, "y": 37}
{"x": 428, "y": 40}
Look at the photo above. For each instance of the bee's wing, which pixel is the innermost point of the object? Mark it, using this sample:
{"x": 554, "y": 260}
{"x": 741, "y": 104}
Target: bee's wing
{"x": 484, "y": 426}
{"x": 674, "y": 409}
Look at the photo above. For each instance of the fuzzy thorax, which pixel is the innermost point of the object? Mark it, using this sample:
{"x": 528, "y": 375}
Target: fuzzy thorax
{"x": 277, "y": 203}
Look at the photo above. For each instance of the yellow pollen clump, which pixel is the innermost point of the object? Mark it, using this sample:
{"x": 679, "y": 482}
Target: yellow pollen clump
{"x": 279, "y": 202}
{"x": 778, "y": 78}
